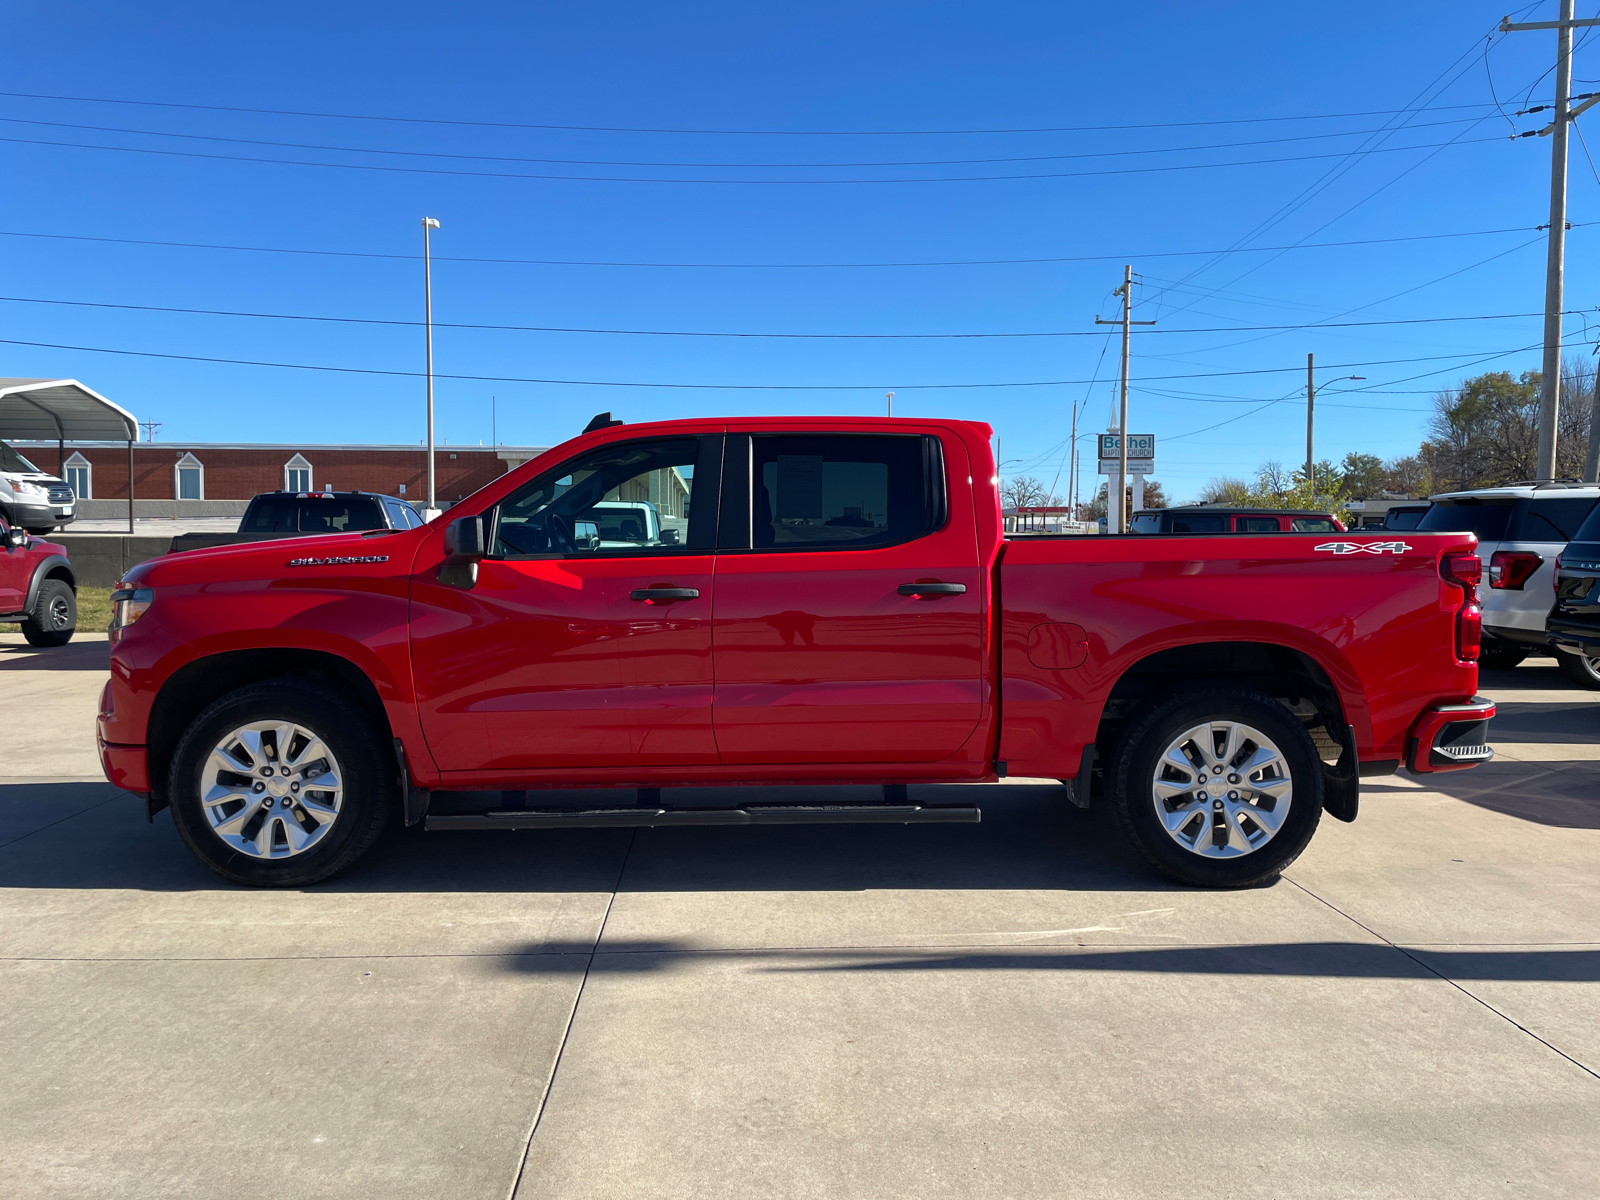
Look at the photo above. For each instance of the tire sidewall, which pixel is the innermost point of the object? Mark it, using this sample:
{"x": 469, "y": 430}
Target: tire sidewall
{"x": 37, "y": 629}
{"x": 1147, "y": 738}
{"x": 355, "y": 745}
{"x": 1582, "y": 669}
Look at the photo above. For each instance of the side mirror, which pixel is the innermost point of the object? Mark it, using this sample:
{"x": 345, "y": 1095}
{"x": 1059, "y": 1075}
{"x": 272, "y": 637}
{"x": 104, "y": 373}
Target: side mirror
{"x": 586, "y": 535}
{"x": 463, "y": 548}
{"x": 669, "y": 537}
{"x": 15, "y": 538}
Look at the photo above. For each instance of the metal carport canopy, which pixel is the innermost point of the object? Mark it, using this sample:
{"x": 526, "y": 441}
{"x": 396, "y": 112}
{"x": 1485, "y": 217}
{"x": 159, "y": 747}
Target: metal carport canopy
{"x": 62, "y": 410}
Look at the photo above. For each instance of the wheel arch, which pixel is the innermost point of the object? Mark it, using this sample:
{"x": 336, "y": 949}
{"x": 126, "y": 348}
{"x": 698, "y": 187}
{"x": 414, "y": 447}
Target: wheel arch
{"x": 51, "y": 566}
{"x": 1337, "y": 718}
{"x": 192, "y": 687}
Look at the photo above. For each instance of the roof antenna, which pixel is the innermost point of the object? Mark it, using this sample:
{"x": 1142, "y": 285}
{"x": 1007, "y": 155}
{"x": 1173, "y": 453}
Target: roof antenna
{"x": 600, "y": 421}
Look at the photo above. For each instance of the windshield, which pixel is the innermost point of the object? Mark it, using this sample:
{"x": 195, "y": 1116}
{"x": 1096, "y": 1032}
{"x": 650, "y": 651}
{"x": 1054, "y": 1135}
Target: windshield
{"x": 1486, "y": 518}
{"x": 10, "y": 460}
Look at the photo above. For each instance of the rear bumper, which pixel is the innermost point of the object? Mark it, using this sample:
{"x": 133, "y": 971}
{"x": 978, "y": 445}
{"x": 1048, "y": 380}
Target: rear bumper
{"x": 1450, "y": 736}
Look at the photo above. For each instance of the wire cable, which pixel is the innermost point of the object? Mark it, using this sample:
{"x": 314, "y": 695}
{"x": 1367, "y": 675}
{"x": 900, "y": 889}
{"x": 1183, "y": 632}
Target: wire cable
{"x": 284, "y": 112}
{"x": 773, "y": 266}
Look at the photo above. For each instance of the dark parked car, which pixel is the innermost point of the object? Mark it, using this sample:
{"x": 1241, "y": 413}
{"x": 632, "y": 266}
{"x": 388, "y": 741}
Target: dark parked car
{"x": 1405, "y": 516}
{"x": 274, "y": 515}
{"x": 1574, "y": 622}
{"x": 1205, "y": 518}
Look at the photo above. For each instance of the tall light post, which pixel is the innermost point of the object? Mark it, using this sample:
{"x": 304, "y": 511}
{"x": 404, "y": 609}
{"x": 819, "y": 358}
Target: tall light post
{"x": 428, "y": 223}
{"x": 889, "y": 396}
{"x": 1311, "y": 404}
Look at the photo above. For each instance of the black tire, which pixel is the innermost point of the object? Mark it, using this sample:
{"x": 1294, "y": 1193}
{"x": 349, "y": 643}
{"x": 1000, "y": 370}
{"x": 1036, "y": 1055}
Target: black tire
{"x": 367, "y": 767}
{"x": 1500, "y": 658}
{"x": 1581, "y": 669}
{"x": 55, "y": 615}
{"x": 1130, "y": 785}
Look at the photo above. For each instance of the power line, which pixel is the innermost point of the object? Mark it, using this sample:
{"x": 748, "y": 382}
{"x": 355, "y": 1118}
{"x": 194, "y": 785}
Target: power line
{"x": 610, "y": 162}
{"x": 727, "y": 387}
{"x": 557, "y": 262}
{"x": 220, "y": 312}
{"x": 391, "y": 169}
{"x": 284, "y": 112}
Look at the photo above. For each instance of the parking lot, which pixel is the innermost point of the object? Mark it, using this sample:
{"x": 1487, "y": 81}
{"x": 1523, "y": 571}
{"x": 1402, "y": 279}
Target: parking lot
{"x": 1020, "y": 1008}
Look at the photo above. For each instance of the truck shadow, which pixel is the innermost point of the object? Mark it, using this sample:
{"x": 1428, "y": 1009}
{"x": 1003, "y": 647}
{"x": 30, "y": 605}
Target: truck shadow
{"x": 91, "y": 653}
{"x": 1325, "y": 960}
{"x": 88, "y": 835}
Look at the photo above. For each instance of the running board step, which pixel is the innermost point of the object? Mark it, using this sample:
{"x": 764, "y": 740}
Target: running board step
{"x": 750, "y": 814}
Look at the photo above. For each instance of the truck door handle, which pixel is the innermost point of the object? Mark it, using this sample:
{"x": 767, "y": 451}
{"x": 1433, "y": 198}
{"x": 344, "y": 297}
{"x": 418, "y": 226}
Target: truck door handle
{"x": 932, "y": 589}
{"x": 663, "y": 595}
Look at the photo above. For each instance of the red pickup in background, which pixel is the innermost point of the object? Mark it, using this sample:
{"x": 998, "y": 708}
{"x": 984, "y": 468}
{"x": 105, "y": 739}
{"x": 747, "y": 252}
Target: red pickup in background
{"x": 781, "y": 600}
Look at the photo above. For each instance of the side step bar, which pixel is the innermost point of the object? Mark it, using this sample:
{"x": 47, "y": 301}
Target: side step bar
{"x": 750, "y": 814}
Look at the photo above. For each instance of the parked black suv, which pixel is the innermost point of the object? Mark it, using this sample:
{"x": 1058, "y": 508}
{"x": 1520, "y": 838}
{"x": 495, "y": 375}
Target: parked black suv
{"x": 306, "y": 514}
{"x": 1574, "y": 622}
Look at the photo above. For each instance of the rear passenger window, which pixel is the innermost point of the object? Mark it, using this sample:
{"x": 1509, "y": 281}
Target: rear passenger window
{"x": 1313, "y": 525}
{"x": 1551, "y": 520}
{"x": 1256, "y": 524}
{"x": 1486, "y": 518}
{"x": 818, "y": 493}
{"x": 1199, "y": 524}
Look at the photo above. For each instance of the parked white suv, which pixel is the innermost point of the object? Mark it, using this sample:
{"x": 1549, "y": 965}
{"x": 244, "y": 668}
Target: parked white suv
{"x": 1521, "y": 528}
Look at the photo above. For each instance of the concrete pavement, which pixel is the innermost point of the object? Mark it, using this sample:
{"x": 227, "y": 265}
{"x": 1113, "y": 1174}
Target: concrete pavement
{"x": 1019, "y": 1008}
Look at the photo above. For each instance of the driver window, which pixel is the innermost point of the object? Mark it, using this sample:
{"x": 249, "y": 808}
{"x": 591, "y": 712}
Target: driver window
{"x": 626, "y": 498}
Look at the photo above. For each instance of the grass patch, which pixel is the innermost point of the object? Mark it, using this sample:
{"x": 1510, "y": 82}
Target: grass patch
{"x": 94, "y": 611}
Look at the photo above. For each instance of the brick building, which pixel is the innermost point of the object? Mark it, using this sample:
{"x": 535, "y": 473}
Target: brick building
{"x": 210, "y": 471}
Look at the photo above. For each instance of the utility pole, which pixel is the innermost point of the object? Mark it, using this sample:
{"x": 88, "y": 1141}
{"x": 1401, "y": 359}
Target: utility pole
{"x": 890, "y": 397}
{"x": 427, "y": 314}
{"x": 1126, "y": 292}
{"x": 1550, "y": 378}
{"x": 150, "y": 428}
{"x": 1311, "y": 401}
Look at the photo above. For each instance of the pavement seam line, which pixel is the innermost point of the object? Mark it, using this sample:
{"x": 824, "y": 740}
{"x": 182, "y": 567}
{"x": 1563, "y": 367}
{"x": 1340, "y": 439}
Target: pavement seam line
{"x": 555, "y": 1066}
{"x": 53, "y": 824}
{"x": 1440, "y": 975}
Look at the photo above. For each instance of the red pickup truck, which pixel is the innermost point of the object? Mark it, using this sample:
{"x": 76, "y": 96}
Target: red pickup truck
{"x": 780, "y": 601}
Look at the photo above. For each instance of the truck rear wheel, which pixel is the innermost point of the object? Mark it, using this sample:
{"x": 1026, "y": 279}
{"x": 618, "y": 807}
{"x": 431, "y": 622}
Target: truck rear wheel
{"x": 55, "y": 615}
{"x": 281, "y": 783}
{"x": 1219, "y": 787}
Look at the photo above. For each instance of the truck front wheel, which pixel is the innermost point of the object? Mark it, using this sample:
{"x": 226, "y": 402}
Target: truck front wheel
{"x": 1219, "y": 787}
{"x": 281, "y": 783}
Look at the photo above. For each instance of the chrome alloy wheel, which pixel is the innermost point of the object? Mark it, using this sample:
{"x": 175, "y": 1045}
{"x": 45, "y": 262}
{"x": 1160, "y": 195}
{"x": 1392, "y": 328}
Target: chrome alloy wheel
{"x": 1222, "y": 789}
{"x": 271, "y": 789}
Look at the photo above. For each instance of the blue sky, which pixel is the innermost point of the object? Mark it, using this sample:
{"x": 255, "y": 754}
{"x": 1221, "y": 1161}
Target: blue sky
{"x": 809, "y": 94}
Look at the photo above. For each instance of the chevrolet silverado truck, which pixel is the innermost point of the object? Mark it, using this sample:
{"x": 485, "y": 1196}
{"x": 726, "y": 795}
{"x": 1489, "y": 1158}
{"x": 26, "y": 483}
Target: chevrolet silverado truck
{"x": 841, "y": 608}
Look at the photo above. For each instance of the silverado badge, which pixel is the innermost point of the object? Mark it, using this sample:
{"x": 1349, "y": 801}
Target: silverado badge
{"x": 337, "y": 562}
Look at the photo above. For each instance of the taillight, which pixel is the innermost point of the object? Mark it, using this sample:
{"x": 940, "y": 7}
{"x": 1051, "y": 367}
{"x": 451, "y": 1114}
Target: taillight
{"x": 1512, "y": 568}
{"x": 1465, "y": 571}
{"x": 1469, "y": 631}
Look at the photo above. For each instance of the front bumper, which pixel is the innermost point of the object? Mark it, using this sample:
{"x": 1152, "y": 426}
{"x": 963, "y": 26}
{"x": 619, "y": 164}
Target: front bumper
{"x": 38, "y": 514}
{"x": 1450, "y": 736}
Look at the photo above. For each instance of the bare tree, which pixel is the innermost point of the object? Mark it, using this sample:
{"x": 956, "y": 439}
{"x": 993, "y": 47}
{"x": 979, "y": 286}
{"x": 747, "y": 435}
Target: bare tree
{"x": 1025, "y": 491}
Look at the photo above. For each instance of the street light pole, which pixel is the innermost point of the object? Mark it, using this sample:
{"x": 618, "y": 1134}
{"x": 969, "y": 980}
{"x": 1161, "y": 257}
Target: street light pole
{"x": 427, "y": 316}
{"x": 1311, "y": 403}
{"x": 890, "y": 397}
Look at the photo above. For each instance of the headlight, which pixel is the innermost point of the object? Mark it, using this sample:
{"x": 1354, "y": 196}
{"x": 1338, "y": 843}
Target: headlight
{"x": 28, "y": 487}
{"x": 127, "y": 606}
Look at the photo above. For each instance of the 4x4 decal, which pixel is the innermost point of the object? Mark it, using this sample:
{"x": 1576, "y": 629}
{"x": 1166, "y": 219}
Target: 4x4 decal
{"x": 1364, "y": 547}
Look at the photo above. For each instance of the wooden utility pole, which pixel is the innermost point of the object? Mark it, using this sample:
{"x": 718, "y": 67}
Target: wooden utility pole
{"x": 1311, "y": 400}
{"x": 1550, "y": 378}
{"x": 1119, "y": 523}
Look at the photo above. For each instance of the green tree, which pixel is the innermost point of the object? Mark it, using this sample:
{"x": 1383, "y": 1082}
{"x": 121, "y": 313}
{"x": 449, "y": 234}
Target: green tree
{"x": 1365, "y": 477}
